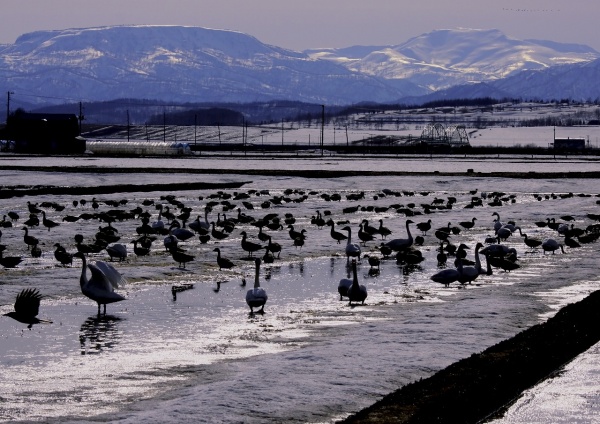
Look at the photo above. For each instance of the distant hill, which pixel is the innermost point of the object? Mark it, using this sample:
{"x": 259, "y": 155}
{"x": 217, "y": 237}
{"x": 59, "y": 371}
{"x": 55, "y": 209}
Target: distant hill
{"x": 192, "y": 64}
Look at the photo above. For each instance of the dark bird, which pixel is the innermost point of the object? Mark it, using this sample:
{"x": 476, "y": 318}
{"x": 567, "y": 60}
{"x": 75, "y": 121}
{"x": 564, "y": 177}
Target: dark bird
{"x": 27, "y": 306}
{"x": 9, "y": 261}
{"x": 48, "y": 223}
{"x": 30, "y": 241}
{"x": 222, "y": 261}
{"x": 103, "y": 282}
{"x": 140, "y": 250}
{"x": 250, "y": 246}
{"x": 62, "y": 256}
{"x": 336, "y": 235}
{"x": 424, "y": 226}
{"x": 181, "y": 257}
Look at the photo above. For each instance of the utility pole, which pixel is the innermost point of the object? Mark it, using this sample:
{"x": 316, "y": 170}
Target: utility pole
{"x": 322, "y": 128}
{"x": 164, "y": 126}
{"x": 80, "y": 117}
{"x": 282, "y": 131}
{"x": 8, "y": 93}
{"x": 195, "y": 126}
{"x": 127, "y": 125}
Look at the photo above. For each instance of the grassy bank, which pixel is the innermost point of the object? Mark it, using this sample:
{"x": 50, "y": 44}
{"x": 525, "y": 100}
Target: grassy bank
{"x": 477, "y": 387}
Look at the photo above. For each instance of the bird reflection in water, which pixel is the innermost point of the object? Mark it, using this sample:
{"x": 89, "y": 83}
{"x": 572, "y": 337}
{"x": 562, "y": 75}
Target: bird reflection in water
{"x": 99, "y": 333}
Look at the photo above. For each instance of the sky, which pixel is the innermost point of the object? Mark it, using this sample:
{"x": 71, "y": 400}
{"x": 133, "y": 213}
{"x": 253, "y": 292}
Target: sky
{"x": 304, "y": 24}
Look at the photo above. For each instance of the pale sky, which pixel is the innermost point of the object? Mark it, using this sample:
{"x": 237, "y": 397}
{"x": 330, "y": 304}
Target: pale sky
{"x": 304, "y": 24}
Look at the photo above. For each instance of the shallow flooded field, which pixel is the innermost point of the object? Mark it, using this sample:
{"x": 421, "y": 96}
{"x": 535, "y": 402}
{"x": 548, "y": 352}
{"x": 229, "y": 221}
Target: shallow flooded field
{"x": 201, "y": 357}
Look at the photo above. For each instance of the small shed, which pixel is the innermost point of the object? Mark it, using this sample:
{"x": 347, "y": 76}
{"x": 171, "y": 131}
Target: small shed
{"x": 569, "y": 143}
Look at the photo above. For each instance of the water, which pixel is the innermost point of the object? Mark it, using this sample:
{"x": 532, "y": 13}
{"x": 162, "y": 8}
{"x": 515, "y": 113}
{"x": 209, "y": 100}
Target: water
{"x": 310, "y": 357}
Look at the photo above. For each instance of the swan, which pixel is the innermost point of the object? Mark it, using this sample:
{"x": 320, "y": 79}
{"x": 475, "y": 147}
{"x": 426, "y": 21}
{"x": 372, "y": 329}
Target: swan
{"x": 197, "y": 225}
{"x": 101, "y": 286}
{"x": 551, "y": 245}
{"x": 27, "y": 307}
{"x": 497, "y": 223}
{"x": 356, "y": 292}
{"x": 468, "y": 274}
{"x": 447, "y": 276}
{"x": 118, "y": 251}
{"x": 401, "y": 243}
{"x": 352, "y": 249}
{"x": 257, "y": 296}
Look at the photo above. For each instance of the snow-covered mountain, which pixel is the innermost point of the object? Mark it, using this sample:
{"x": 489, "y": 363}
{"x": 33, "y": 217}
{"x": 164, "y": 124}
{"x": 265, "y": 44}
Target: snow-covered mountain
{"x": 445, "y": 58}
{"x": 181, "y": 64}
{"x": 193, "y": 64}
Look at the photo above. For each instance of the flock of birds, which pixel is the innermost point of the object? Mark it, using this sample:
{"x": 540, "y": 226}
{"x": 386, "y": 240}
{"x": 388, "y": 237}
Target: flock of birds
{"x": 170, "y": 220}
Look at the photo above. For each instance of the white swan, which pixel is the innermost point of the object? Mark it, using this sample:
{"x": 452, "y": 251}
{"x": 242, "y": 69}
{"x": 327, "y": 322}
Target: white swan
{"x": 550, "y": 245}
{"x": 356, "y": 292}
{"x": 257, "y": 296}
{"x": 352, "y": 249}
{"x": 101, "y": 286}
{"x": 401, "y": 243}
{"x": 468, "y": 274}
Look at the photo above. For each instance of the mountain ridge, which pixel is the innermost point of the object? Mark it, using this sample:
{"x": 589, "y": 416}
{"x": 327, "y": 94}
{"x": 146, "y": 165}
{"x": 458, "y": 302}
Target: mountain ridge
{"x": 192, "y": 64}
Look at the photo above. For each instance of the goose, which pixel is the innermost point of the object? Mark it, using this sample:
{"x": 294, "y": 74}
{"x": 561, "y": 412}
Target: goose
{"x": 498, "y": 250}
{"x": 257, "y": 296}
{"x": 441, "y": 257}
{"x": 424, "y": 226}
{"x": 101, "y": 286}
{"x": 551, "y": 245}
{"x": 47, "y": 222}
{"x": 4, "y": 223}
{"x": 27, "y": 306}
{"x": 13, "y": 216}
{"x": 336, "y": 235}
{"x": 363, "y": 235}
{"x": 531, "y": 242}
{"x": 180, "y": 257}
{"x": 468, "y": 224}
{"x": 250, "y": 246}
{"x": 293, "y": 233}
{"x": 9, "y": 261}
{"x": 268, "y": 257}
{"x": 216, "y": 234}
{"x": 36, "y": 251}
{"x": 274, "y": 247}
{"x": 170, "y": 242}
{"x": 62, "y": 256}
{"x": 368, "y": 229}
{"x": 352, "y": 249}
{"x": 118, "y": 251}
{"x": 501, "y": 262}
{"x": 356, "y": 292}
{"x": 262, "y": 236}
{"x": 384, "y": 231}
{"x": 572, "y": 243}
{"x": 33, "y": 220}
{"x": 402, "y": 243}
{"x": 30, "y": 241}
{"x": 140, "y": 250}
{"x": 299, "y": 241}
{"x": 221, "y": 261}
